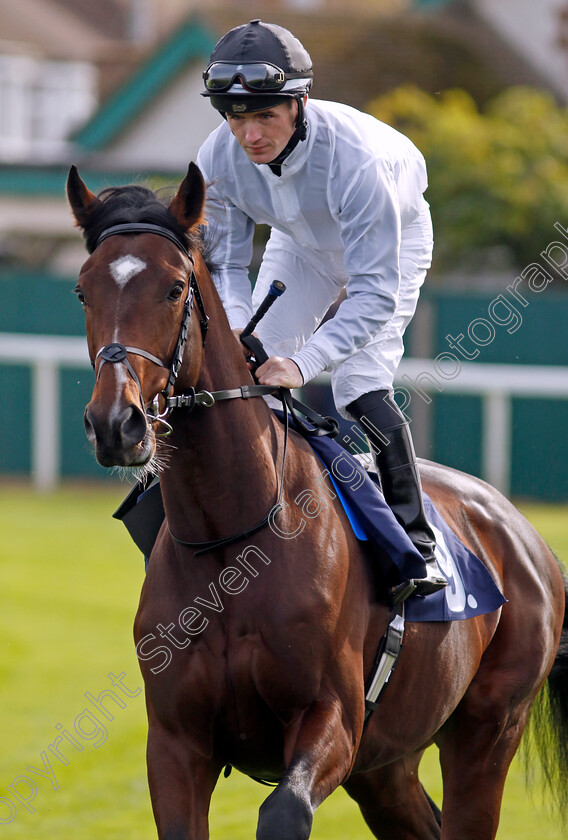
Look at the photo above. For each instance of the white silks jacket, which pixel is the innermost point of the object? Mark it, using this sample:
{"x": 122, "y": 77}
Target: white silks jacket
{"x": 348, "y": 200}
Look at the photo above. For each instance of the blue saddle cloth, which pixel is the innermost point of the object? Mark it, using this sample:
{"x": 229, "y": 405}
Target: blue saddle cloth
{"x": 471, "y": 590}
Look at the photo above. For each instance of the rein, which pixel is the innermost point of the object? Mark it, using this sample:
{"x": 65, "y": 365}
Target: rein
{"x": 212, "y": 545}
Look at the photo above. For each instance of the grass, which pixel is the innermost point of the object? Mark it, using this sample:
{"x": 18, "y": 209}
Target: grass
{"x": 70, "y": 583}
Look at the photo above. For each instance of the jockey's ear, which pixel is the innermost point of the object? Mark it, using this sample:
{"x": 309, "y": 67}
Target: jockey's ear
{"x": 80, "y": 197}
{"x": 187, "y": 206}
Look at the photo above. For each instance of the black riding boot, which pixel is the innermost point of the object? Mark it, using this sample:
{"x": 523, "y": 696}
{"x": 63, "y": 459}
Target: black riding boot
{"x": 388, "y": 433}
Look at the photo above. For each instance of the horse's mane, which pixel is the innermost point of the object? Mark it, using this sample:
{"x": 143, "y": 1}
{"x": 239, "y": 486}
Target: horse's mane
{"x": 134, "y": 203}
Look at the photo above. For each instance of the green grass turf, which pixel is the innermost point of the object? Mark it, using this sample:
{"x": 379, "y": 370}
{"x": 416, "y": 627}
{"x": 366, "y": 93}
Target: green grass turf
{"x": 70, "y": 580}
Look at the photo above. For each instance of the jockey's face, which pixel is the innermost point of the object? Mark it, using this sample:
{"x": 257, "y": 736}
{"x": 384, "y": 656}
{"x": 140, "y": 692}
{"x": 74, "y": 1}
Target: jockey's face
{"x": 264, "y": 134}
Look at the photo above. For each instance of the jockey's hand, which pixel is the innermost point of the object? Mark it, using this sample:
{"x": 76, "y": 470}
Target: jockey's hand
{"x": 280, "y": 372}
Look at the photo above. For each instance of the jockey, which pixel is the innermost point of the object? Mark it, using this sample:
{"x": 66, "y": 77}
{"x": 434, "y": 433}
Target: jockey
{"x": 343, "y": 195}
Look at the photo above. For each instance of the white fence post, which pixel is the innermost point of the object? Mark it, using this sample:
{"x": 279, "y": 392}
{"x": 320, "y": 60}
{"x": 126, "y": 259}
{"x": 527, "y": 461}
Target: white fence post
{"x": 46, "y": 354}
{"x": 497, "y": 385}
{"x": 46, "y": 423}
{"x": 496, "y": 440}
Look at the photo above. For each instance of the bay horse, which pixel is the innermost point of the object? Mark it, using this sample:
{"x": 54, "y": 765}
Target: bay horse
{"x": 255, "y": 653}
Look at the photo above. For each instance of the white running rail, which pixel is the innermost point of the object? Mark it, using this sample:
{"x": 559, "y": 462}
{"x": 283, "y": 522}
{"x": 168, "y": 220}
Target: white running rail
{"x": 496, "y": 384}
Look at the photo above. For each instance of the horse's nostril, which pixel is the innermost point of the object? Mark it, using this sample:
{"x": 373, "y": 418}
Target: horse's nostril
{"x": 133, "y": 427}
{"x": 89, "y": 428}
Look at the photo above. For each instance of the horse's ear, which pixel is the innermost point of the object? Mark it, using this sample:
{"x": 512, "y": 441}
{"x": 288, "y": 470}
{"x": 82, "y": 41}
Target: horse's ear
{"x": 81, "y": 199}
{"x": 187, "y": 206}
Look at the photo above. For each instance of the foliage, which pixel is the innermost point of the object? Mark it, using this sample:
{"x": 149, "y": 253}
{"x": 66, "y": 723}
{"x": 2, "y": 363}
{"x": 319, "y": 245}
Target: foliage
{"x": 498, "y": 177}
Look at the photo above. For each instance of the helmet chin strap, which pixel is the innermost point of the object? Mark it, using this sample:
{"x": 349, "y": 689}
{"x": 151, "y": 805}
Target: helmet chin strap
{"x": 301, "y": 121}
{"x": 300, "y": 134}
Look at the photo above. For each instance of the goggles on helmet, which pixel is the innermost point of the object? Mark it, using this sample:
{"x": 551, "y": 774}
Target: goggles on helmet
{"x": 258, "y": 77}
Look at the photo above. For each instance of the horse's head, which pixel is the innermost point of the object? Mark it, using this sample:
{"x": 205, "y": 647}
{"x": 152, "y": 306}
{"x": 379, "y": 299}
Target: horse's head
{"x": 138, "y": 288}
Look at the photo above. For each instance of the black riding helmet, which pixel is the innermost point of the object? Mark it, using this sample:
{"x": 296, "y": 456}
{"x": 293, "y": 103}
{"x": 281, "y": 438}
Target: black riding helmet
{"x": 254, "y": 67}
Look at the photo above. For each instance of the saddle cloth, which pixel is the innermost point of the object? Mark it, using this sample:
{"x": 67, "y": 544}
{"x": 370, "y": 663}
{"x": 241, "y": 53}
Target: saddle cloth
{"x": 471, "y": 590}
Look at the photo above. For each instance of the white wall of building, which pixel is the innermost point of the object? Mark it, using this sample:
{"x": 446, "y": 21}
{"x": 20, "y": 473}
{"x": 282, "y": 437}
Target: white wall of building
{"x": 41, "y": 102}
{"x": 169, "y": 132}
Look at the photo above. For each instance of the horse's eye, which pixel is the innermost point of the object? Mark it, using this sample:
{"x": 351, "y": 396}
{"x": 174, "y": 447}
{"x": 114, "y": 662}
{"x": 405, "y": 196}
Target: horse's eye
{"x": 176, "y": 291}
{"x": 79, "y": 292}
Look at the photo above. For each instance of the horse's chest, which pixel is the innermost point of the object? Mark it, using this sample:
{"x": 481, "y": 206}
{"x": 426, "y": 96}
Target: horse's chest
{"x": 242, "y": 676}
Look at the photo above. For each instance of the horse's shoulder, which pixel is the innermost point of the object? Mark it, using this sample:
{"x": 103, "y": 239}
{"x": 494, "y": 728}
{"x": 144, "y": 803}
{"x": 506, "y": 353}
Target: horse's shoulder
{"x": 303, "y": 456}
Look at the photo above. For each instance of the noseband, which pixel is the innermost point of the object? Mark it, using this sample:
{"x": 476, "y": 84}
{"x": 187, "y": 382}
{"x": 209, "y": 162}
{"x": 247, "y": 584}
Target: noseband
{"x": 116, "y": 353}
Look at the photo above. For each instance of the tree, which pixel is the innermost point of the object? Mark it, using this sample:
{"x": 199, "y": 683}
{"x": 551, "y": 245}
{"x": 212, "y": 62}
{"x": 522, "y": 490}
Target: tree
{"x": 498, "y": 178}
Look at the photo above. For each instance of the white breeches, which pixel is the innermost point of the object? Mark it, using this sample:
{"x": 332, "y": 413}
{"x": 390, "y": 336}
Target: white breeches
{"x": 313, "y": 282}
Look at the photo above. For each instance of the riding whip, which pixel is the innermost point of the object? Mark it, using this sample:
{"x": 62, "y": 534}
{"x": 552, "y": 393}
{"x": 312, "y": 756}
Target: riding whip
{"x": 276, "y": 289}
{"x": 251, "y": 342}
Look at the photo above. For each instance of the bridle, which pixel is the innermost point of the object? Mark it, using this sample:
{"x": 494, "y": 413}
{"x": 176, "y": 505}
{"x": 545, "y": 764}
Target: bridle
{"x": 116, "y": 353}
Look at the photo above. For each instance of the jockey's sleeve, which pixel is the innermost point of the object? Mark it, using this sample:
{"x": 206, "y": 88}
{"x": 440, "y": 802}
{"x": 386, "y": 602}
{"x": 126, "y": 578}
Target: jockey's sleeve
{"x": 369, "y": 218}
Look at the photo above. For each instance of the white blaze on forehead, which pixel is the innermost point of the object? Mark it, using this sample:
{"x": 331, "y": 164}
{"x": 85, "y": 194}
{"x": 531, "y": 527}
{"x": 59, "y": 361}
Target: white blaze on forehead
{"x": 125, "y": 268}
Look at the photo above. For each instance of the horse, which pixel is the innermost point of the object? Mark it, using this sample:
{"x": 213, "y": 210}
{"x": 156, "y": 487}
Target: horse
{"x": 255, "y": 642}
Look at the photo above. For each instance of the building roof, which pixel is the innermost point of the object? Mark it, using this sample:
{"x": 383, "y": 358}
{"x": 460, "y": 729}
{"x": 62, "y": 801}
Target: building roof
{"x": 190, "y": 42}
{"x": 109, "y": 17}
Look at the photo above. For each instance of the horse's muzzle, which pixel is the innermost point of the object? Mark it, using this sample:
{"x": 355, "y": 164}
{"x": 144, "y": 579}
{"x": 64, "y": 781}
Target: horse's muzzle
{"x": 122, "y": 438}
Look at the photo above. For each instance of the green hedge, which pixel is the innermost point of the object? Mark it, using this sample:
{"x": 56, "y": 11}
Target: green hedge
{"x": 498, "y": 177}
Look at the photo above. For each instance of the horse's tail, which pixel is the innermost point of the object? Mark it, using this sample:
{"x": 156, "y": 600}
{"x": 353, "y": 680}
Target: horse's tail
{"x": 547, "y": 729}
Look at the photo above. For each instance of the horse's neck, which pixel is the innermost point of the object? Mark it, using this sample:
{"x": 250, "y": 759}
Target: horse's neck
{"x": 224, "y": 470}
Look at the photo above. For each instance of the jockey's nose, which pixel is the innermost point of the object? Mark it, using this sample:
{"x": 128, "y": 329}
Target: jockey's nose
{"x": 253, "y": 131}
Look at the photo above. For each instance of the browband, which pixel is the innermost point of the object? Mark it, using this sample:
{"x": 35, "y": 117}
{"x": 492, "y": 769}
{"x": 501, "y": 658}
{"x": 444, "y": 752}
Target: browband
{"x": 144, "y": 227}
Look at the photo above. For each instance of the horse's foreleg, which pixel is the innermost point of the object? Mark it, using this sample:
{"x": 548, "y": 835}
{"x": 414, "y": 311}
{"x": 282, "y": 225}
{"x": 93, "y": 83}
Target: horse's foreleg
{"x": 181, "y": 783}
{"x": 319, "y": 755}
{"x": 393, "y": 802}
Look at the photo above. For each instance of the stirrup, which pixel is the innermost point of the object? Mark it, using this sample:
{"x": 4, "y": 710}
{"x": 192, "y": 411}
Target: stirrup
{"x": 403, "y": 591}
{"x": 433, "y": 582}
{"x": 428, "y": 585}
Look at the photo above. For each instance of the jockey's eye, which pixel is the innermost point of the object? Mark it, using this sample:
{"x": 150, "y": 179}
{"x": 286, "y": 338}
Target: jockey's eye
{"x": 79, "y": 292}
{"x": 176, "y": 291}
